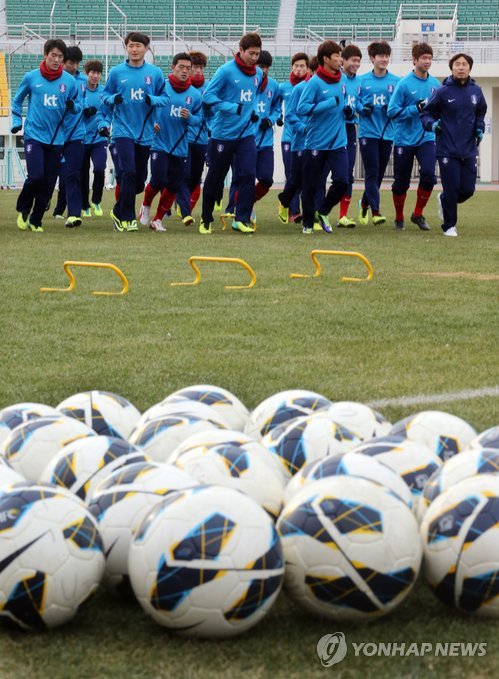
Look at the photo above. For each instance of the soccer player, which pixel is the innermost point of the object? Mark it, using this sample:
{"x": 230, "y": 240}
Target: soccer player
{"x": 170, "y": 147}
{"x": 133, "y": 90}
{"x": 456, "y": 113}
{"x": 351, "y": 57}
{"x": 231, "y": 97}
{"x": 375, "y": 128}
{"x": 299, "y": 73}
{"x": 95, "y": 115}
{"x": 322, "y": 102}
{"x": 410, "y": 139}
{"x": 53, "y": 96}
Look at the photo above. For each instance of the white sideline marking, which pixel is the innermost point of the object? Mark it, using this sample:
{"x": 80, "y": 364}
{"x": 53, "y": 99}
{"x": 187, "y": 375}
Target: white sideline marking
{"x": 466, "y": 395}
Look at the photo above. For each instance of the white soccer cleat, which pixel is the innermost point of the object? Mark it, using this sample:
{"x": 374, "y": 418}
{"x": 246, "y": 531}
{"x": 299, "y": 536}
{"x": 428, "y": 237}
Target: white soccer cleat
{"x": 144, "y": 214}
{"x": 157, "y": 225}
{"x": 451, "y": 232}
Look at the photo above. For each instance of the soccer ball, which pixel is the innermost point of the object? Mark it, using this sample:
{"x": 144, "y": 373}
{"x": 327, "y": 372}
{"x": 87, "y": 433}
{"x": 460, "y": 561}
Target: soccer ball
{"x": 281, "y": 407}
{"x": 51, "y": 555}
{"x": 8, "y": 476}
{"x": 444, "y": 434}
{"x": 195, "y": 408}
{"x": 32, "y": 445}
{"x": 352, "y": 549}
{"x": 350, "y": 464}
{"x": 468, "y": 463}
{"x": 106, "y": 413}
{"x": 486, "y": 439}
{"x": 306, "y": 439}
{"x": 234, "y": 467}
{"x": 159, "y": 437}
{"x": 206, "y": 562}
{"x": 82, "y": 464}
{"x": 413, "y": 462}
{"x": 121, "y": 502}
{"x": 14, "y": 415}
{"x": 363, "y": 420}
{"x": 460, "y": 533}
{"x": 233, "y": 411}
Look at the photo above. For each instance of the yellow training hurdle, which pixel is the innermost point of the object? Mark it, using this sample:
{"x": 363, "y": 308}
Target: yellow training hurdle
{"x": 96, "y": 265}
{"x": 340, "y": 253}
{"x": 234, "y": 260}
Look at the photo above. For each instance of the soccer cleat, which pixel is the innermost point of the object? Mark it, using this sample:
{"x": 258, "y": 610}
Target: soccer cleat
{"x": 378, "y": 219}
{"x": 346, "y": 222}
{"x": 204, "y": 227}
{"x": 307, "y": 230}
{"x": 178, "y": 211}
{"x": 56, "y": 215}
{"x": 242, "y": 227}
{"x": 97, "y": 209}
{"x": 440, "y": 208}
{"x": 22, "y": 221}
{"x": 317, "y": 227}
{"x": 225, "y": 217}
{"x": 86, "y": 213}
{"x": 218, "y": 207}
{"x": 363, "y": 213}
{"x": 324, "y": 222}
{"x": 420, "y": 221}
{"x": 72, "y": 222}
{"x": 253, "y": 219}
{"x": 451, "y": 232}
{"x": 157, "y": 225}
{"x": 399, "y": 225}
{"x": 131, "y": 226}
{"x": 283, "y": 214}
{"x": 39, "y": 229}
{"x": 117, "y": 225}
{"x": 188, "y": 220}
{"x": 296, "y": 218}
{"x": 144, "y": 214}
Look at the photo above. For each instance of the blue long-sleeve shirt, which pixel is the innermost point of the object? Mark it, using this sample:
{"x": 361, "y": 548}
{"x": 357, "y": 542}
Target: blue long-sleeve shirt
{"x": 352, "y": 87}
{"x": 102, "y": 117}
{"x": 172, "y": 136}
{"x": 268, "y": 105}
{"x": 46, "y": 106}
{"x": 74, "y": 129}
{"x": 323, "y": 105}
{"x": 228, "y": 88}
{"x": 297, "y": 124}
{"x": 198, "y": 133}
{"x": 403, "y": 110}
{"x": 376, "y": 91}
{"x": 461, "y": 110}
{"x": 286, "y": 89}
{"x": 134, "y": 118}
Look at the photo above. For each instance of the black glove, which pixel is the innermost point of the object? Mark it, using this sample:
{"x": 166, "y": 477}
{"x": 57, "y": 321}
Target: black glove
{"x": 89, "y": 112}
{"x": 70, "y": 105}
{"x": 279, "y": 122}
{"x": 16, "y": 128}
{"x": 348, "y": 111}
{"x": 104, "y": 132}
{"x": 148, "y": 99}
{"x": 367, "y": 110}
{"x": 336, "y": 101}
{"x": 239, "y": 109}
{"x": 118, "y": 99}
{"x": 265, "y": 124}
{"x": 420, "y": 105}
{"x": 254, "y": 117}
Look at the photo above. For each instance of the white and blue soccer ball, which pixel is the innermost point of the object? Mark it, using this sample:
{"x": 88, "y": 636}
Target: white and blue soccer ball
{"x": 224, "y": 402}
{"x": 82, "y": 464}
{"x": 366, "y": 422}
{"x": 444, "y": 434}
{"x": 108, "y": 414}
{"x": 206, "y": 562}
{"x": 486, "y": 439}
{"x": 182, "y": 407}
{"x": 18, "y": 413}
{"x": 352, "y": 549}
{"x": 460, "y": 533}
{"x": 51, "y": 555}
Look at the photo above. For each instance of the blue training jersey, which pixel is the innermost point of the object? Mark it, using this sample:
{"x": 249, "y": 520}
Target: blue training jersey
{"x": 228, "y": 88}
{"x": 286, "y": 89}
{"x": 268, "y": 105}
{"x": 322, "y": 103}
{"x": 172, "y": 135}
{"x": 198, "y": 133}
{"x": 74, "y": 130}
{"x": 376, "y": 91}
{"x": 403, "y": 110}
{"x": 46, "y": 106}
{"x": 102, "y": 118}
{"x": 134, "y": 118}
{"x": 297, "y": 124}
{"x": 352, "y": 86}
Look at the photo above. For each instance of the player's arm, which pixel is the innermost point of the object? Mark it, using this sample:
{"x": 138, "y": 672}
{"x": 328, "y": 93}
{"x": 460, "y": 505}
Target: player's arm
{"x": 111, "y": 95}
{"x": 160, "y": 98}
{"x": 430, "y": 115}
{"x": 195, "y": 117}
{"x": 398, "y": 107}
{"x": 213, "y": 96}
{"x": 275, "y": 107}
{"x": 307, "y": 103}
{"x": 17, "y": 103}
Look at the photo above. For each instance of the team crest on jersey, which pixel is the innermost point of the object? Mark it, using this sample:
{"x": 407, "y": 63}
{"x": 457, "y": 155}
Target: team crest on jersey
{"x": 62, "y": 87}
{"x": 256, "y": 82}
{"x": 148, "y": 80}
{"x": 270, "y": 94}
{"x": 474, "y": 99}
{"x": 343, "y": 89}
{"x": 390, "y": 88}
{"x": 188, "y": 101}
{"x": 220, "y": 148}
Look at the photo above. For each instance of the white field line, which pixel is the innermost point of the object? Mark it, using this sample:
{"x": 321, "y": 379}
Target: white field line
{"x": 450, "y": 397}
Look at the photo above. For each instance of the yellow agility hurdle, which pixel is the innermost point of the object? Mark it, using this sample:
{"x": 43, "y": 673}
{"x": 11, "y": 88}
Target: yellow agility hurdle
{"x": 233, "y": 260}
{"x": 340, "y": 253}
{"x": 96, "y": 265}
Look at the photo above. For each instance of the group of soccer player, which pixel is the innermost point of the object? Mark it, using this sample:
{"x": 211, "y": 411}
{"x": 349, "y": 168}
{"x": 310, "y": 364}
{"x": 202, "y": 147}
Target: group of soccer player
{"x": 169, "y": 128}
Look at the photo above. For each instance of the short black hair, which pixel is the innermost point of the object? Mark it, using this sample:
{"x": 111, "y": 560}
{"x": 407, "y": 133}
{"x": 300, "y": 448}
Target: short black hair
{"x": 327, "y": 48}
{"x": 73, "y": 53}
{"x": 55, "y": 43}
{"x": 198, "y": 58}
{"x": 250, "y": 40}
{"x": 299, "y": 56}
{"x": 420, "y": 48}
{"x": 351, "y": 51}
{"x": 181, "y": 56}
{"x": 135, "y": 36}
{"x": 459, "y": 56}
{"x": 93, "y": 65}
{"x": 264, "y": 58}
{"x": 377, "y": 48}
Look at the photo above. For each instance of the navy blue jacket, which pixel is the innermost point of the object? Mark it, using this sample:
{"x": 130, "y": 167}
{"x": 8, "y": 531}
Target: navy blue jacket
{"x": 460, "y": 108}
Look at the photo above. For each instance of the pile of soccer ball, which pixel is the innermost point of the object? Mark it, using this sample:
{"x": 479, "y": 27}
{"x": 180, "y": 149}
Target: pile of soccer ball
{"x": 204, "y": 509}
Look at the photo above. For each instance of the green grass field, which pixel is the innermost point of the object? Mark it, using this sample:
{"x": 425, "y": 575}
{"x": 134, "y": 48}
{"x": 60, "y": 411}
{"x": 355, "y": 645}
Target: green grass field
{"x": 426, "y": 324}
